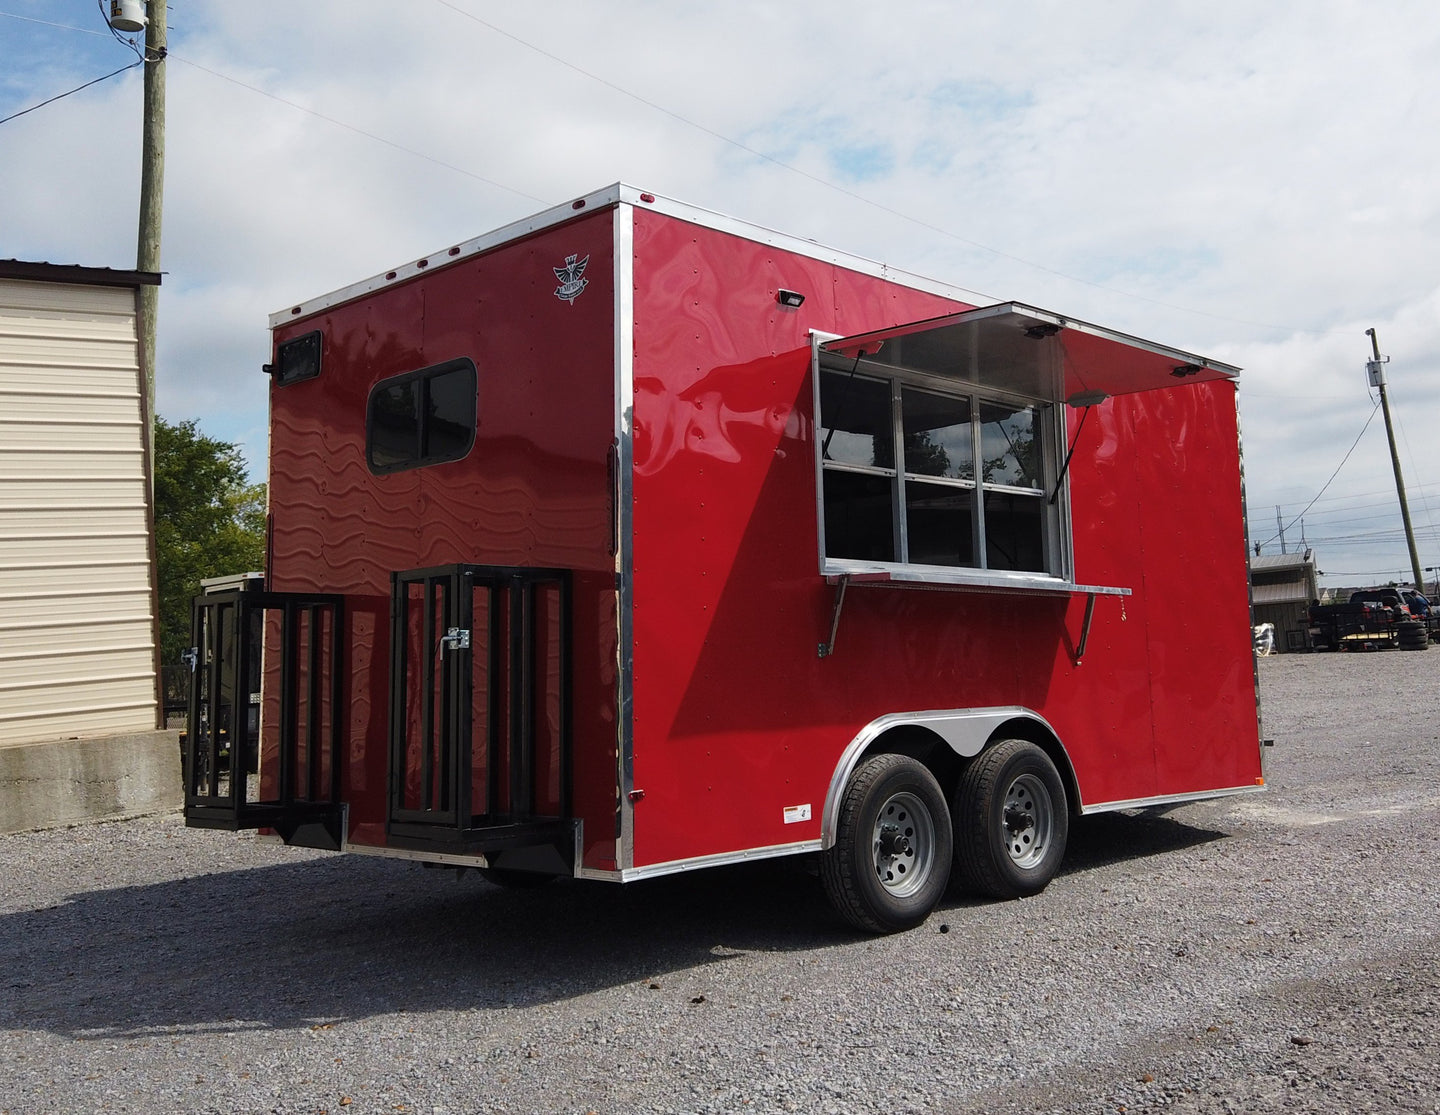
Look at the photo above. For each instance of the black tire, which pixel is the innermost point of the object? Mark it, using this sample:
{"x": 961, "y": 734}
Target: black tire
{"x": 890, "y": 863}
{"x": 1011, "y": 821}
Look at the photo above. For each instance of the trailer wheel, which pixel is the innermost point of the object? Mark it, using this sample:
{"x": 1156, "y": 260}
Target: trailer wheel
{"x": 891, "y": 859}
{"x": 1011, "y": 821}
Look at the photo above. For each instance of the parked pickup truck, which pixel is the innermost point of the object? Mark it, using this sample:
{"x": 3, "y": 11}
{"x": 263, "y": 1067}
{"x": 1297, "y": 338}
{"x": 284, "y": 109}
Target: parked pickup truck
{"x": 1372, "y": 618}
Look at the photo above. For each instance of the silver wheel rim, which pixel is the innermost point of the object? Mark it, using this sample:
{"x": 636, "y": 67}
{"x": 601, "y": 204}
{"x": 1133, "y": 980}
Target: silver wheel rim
{"x": 903, "y": 844}
{"x": 1027, "y": 822}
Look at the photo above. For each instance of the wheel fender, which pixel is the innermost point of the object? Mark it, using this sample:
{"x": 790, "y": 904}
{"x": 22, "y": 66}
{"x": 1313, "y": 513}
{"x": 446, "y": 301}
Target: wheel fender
{"x": 965, "y": 732}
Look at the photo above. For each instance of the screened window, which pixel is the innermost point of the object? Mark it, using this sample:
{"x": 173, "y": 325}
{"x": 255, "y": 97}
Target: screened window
{"x": 965, "y": 489}
{"x": 421, "y": 418}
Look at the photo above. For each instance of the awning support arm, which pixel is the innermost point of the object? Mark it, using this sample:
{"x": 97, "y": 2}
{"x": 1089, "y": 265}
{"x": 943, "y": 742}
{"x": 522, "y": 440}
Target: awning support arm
{"x": 1085, "y": 627}
{"x": 825, "y": 650}
{"x": 1065, "y": 467}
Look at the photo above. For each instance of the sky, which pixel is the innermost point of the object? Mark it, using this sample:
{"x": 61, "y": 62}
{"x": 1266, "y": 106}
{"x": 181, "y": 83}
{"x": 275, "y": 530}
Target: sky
{"x": 1259, "y": 183}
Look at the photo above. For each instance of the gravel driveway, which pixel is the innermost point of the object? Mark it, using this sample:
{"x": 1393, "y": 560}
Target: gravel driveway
{"x": 1265, "y": 953}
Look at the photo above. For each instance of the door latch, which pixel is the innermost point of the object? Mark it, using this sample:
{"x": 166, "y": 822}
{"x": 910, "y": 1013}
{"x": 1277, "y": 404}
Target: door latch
{"x": 455, "y": 638}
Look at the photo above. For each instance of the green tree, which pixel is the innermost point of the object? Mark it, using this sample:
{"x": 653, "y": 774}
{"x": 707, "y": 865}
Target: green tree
{"x": 209, "y": 522}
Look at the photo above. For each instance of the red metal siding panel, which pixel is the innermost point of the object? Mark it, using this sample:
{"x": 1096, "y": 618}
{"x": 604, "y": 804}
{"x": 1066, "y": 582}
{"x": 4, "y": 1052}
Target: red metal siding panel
{"x": 735, "y": 715}
{"x": 534, "y": 490}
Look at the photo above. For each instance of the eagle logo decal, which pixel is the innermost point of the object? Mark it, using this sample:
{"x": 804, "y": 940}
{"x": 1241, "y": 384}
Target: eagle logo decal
{"x": 572, "y": 280}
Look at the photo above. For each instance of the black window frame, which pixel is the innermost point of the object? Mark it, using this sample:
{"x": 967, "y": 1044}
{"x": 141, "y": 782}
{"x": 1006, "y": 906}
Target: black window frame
{"x": 422, "y": 377}
{"x": 284, "y": 365}
{"x": 1053, "y": 540}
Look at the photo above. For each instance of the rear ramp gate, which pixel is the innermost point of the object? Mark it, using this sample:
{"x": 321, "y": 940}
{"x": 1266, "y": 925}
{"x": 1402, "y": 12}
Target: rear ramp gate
{"x": 291, "y": 782}
{"x": 480, "y": 717}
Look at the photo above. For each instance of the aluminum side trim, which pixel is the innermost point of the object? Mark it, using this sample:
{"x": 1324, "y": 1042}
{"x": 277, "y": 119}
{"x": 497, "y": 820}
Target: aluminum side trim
{"x": 746, "y": 855}
{"x": 624, "y": 232}
{"x": 1249, "y": 578}
{"x": 600, "y": 874}
{"x": 1170, "y": 799}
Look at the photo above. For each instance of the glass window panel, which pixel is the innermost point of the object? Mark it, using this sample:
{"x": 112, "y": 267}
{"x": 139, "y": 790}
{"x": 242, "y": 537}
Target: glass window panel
{"x": 1010, "y": 446}
{"x": 939, "y": 523}
{"x": 394, "y": 425}
{"x": 450, "y": 419}
{"x": 859, "y": 516}
{"x": 856, "y": 427}
{"x": 422, "y": 418}
{"x": 1015, "y": 531}
{"x": 938, "y": 436}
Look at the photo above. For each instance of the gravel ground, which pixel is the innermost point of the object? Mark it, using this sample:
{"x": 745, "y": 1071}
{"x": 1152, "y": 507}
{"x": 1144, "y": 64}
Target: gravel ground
{"x": 1275, "y": 952}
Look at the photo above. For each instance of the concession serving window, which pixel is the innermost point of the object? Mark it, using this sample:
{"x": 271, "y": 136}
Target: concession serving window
{"x": 940, "y": 445}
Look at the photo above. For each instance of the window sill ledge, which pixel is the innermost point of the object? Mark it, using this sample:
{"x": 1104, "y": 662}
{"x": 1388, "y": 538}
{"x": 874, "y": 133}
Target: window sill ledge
{"x": 946, "y": 580}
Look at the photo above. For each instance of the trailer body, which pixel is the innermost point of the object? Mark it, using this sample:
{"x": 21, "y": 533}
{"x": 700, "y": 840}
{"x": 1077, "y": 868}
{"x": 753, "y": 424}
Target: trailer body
{"x": 622, "y": 540}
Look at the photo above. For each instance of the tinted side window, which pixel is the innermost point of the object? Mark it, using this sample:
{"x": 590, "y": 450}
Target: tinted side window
{"x": 297, "y": 359}
{"x": 421, "y": 418}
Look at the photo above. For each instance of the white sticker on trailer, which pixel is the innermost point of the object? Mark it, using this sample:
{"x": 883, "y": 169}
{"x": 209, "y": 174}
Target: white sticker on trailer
{"x": 796, "y": 813}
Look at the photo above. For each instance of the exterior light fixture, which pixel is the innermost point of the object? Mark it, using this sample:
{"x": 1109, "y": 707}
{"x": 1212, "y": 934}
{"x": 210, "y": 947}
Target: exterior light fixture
{"x": 1180, "y": 371}
{"x": 790, "y": 299}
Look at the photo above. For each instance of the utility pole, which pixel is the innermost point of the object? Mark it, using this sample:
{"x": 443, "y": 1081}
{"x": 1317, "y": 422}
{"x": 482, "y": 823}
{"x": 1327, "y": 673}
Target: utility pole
{"x": 152, "y": 190}
{"x": 1376, "y": 369}
{"x": 1280, "y": 524}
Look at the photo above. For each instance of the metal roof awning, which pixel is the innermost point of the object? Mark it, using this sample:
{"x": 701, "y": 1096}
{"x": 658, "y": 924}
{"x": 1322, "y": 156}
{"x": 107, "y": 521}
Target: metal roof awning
{"x": 1030, "y": 352}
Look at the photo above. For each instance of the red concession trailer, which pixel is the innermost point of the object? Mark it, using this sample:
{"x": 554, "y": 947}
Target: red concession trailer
{"x": 632, "y": 539}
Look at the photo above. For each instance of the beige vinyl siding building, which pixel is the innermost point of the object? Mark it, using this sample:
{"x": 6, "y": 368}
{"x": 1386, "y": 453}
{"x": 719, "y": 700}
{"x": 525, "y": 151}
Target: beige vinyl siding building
{"x": 78, "y": 630}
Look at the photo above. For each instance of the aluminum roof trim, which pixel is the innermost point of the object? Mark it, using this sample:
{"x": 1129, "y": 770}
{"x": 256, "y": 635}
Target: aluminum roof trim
{"x": 452, "y": 254}
{"x": 1030, "y": 351}
{"x": 618, "y": 194}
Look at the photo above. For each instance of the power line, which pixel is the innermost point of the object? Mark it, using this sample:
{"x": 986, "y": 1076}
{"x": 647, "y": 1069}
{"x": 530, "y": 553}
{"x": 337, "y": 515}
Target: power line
{"x": 1366, "y": 499}
{"x": 1331, "y": 480}
{"x": 817, "y": 179}
{"x": 919, "y": 222}
{"x": 47, "y": 23}
{"x": 61, "y": 96}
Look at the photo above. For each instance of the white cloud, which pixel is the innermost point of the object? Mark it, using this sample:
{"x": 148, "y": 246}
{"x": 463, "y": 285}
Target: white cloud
{"x": 1255, "y": 182}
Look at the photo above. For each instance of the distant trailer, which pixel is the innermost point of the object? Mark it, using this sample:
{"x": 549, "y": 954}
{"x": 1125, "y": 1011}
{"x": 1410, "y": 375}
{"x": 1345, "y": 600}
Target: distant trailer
{"x": 631, "y": 539}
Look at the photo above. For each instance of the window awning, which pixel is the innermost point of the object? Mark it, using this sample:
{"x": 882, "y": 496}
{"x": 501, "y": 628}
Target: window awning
{"x": 1030, "y": 352}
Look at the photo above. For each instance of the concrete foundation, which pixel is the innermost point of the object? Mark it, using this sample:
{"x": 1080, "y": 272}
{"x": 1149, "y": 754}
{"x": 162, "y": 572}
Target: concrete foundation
{"x": 52, "y": 783}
